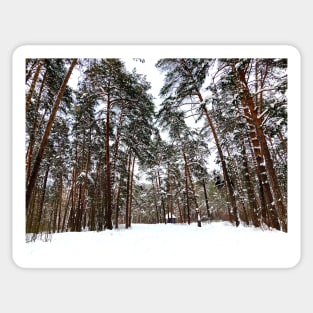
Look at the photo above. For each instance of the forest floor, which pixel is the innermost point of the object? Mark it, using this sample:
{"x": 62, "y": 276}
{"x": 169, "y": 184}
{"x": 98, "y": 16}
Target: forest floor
{"x": 214, "y": 245}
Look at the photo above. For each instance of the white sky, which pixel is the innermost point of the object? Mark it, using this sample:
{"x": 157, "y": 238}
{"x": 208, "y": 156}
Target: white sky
{"x": 153, "y": 74}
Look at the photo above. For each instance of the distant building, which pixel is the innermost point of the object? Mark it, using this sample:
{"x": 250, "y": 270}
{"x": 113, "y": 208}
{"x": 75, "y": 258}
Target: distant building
{"x": 171, "y": 218}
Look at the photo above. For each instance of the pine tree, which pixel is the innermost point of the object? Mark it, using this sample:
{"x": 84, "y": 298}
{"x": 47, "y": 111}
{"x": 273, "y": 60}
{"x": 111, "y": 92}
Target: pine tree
{"x": 240, "y": 86}
{"x": 44, "y": 140}
{"x": 127, "y": 110}
{"x": 183, "y": 82}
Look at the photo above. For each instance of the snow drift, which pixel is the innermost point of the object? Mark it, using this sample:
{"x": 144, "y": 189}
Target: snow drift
{"x": 215, "y": 245}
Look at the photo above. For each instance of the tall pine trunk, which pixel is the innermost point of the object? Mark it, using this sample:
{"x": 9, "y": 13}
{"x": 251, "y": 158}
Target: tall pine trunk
{"x": 187, "y": 204}
{"x": 117, "y": 204}
{"x": 131, "y": 192}
{"x": 269, "y": 212}
{"x": 253, "y": 206}
{"x": 32, "y": 138}
{"x": 34, "y": 82}
{"x": 155, "y": 200}
{"x": 192, "y": 189}
{"x": 275, "y": 206}
{"x": 127, "y": 191}
{"x": 234, "y": 209}
{"x": 206, "y": 200}
{"x": 108, "y": 213}
{"x": 162, "y": 198}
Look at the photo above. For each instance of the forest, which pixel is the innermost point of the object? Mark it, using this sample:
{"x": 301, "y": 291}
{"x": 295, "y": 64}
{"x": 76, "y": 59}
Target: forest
{"x": 104, "y": 155}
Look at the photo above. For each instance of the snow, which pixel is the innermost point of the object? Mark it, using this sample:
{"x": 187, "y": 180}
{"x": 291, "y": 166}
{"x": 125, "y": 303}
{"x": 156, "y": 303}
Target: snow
{"x": 262, "y": 114}
{"x": 214, "y": 245}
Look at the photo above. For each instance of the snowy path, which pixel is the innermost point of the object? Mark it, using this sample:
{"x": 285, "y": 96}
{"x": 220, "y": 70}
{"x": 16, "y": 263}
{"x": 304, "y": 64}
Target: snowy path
{"x": 216, "y": 245}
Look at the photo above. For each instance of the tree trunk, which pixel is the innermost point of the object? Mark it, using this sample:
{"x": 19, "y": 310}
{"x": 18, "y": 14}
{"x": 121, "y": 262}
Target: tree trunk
{"x": 117, "y": 141}
{"x": 169, "y": 196}
{"x": 162, "y": 198}
{"x": 131, "y": 192}
{"x": 71, "y": 221}
{"x": 32, "y": 138}
{"x": 41, "y": 204}
{"x": 29, "y": 73}
{"x": 270, "y": 213}
{"x": 253, "y": 206}
{"x": 127, "y": 191}
{"x": 276, "y": 207}
{"x": 187, "y": 194}
{"x": 108, "y": 215}
{"x": 234, "y": 211}
{"x": 33, "y": 85}
{"x": 78, "y": 221}
{"x": 66, "y": 209}
{"x": 117, "y": 208}
{"x": 60, "y": 202}
{"x": 283, "y": 141}
{"x": 155, "y": 200}
{"x": 192, "y": 189}
{"x": 180, "y": 210}
{"x": 206, "y": 200}
{"x": 44, "y": 140}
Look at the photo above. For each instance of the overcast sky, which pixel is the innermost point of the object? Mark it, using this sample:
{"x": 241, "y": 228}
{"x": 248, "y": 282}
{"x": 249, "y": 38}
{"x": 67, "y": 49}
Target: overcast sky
{"x": 153, "y": 74}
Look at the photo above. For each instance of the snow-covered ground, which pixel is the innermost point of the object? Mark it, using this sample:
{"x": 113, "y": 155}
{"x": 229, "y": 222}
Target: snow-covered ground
{"x": 215, "y": 245}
